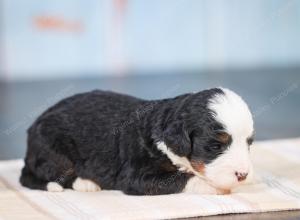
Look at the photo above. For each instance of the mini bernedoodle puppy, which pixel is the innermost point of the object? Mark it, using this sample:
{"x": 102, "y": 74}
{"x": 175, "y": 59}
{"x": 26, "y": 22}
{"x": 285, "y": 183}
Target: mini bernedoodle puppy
{"x": 197, "y": 143}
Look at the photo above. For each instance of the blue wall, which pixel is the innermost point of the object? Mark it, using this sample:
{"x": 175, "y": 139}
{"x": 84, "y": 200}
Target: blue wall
{"x": 60, "y": 38}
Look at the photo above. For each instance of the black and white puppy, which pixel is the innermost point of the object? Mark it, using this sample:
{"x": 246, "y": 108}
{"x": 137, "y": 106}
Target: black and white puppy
{"x": 196, "y": 142}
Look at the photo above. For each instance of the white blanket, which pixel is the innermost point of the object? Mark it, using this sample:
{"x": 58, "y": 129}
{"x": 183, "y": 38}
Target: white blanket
{"x": 276, "y": 187}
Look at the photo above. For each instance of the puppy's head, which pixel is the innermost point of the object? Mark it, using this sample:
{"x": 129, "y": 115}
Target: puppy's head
{"x": 213, "y": 134}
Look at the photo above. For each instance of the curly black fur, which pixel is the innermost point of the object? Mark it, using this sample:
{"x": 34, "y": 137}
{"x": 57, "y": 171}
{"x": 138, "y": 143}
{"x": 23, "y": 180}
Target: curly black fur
{"x": 111, "y": 139}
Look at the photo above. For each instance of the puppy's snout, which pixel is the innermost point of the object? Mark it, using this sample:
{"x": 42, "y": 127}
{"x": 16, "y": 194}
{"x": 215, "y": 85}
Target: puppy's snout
{"x": 241, "y": 176}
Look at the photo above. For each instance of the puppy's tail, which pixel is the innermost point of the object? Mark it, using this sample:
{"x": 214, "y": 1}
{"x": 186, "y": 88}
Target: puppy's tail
{"x": 29, "y": 180}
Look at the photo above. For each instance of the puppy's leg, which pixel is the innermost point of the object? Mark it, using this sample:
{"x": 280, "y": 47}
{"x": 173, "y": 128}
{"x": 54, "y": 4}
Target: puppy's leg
{"x": 85, "y": 185}
{"x": 169, "y": 183}
{"x": 54, "y": 187}
{"x": 197, "y": 185}
{"x": 30, "y": 180}
{"x": 48, "y": 171}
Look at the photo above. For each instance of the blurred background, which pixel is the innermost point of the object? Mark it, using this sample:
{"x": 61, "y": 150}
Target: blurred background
{"x": 151, "y": 49}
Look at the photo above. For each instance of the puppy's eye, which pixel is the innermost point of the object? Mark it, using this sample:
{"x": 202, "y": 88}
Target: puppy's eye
{"x": 224, "y": 138}
{"x": 216, "y": 147}
{"x": 250, "y": 140}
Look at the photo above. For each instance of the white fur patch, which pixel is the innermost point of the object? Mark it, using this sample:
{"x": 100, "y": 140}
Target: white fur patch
{"x": 197, "y": 185}
{"x": 54, "y": 187}
{"x": 233, "y": 113}
{"x": 182, "y": 163}
{"x": 85, "y": 185}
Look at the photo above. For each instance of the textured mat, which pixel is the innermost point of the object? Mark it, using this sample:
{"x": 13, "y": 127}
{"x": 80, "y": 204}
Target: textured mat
{"x": 276, "y": 187}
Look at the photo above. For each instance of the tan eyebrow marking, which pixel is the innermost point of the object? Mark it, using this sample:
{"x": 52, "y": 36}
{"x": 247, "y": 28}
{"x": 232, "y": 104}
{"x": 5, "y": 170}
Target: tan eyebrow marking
{"x": 224, "y": 138}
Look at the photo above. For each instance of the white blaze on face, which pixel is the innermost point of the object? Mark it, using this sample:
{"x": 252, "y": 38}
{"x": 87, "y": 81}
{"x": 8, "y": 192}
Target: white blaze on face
{"x": 233, "y": 113}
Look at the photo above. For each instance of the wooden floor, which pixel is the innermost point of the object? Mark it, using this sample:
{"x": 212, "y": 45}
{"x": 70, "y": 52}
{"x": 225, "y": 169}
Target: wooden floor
{"x": 273, "y": 96}
{"x": 286, "y": 215}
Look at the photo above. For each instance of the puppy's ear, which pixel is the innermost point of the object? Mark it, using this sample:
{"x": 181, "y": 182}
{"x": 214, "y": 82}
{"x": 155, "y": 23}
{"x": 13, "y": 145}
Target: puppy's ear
{"x": 177, "y": 138}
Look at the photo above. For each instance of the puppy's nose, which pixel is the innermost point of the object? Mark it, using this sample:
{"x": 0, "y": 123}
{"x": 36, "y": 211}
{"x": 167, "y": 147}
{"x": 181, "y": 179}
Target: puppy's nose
{"x": 241, "y": 176}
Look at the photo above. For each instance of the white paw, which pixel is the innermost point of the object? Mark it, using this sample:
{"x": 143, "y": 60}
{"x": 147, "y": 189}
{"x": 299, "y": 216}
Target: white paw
{"x": 85, "y": 185}
{"x": 54, "y": 187}
{"x": 197, "y": 185}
